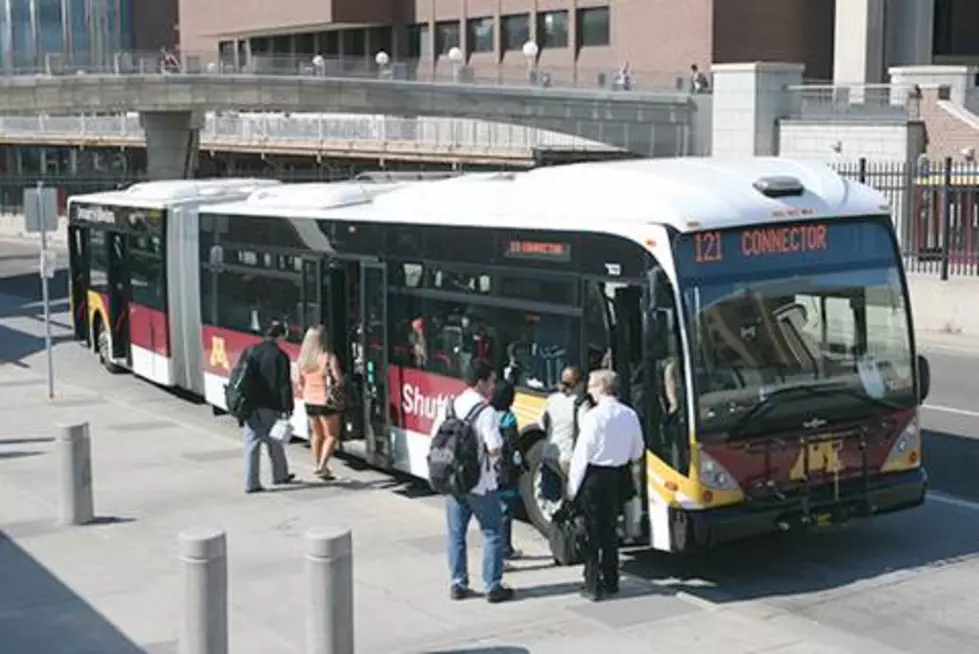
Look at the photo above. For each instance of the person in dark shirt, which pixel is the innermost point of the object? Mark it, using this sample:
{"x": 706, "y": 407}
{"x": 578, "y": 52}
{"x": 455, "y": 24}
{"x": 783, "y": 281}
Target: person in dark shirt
{"x": 271, "y": 396}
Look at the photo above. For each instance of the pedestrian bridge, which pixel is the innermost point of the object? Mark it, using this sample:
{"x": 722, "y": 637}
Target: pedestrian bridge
{"x": 420, "y": 139}
{"x": 172, "y": 107}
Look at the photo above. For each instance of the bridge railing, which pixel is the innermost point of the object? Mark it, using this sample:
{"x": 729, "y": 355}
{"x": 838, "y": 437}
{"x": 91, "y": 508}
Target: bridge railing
{"x": 313, "y": 131}
{"x": 851, "y": 102}
{"x": 513, "y": 70}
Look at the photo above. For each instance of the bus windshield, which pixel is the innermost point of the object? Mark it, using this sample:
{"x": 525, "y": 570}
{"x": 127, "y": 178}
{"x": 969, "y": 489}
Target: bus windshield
{"x": 793, "y": 326}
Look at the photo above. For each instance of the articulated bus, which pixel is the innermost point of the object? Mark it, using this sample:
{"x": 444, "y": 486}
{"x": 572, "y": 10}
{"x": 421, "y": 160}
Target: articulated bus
{"x": 133, "y": 280}
{"x": 755, "y": 310}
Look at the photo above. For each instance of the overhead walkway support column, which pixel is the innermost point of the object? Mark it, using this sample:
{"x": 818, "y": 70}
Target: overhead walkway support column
{"x": 172, "y": 143}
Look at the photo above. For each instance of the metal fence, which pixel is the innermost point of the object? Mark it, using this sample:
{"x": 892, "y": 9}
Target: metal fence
{"x": 936, "y": 211}
{"x": 522, "y": 71}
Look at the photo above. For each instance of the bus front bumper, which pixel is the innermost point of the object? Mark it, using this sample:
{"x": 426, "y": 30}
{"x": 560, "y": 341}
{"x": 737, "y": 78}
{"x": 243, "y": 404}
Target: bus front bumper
{"x": 824, "y": 506}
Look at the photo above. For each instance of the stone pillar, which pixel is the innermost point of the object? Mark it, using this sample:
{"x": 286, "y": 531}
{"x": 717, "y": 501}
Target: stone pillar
{"x": 749, "y": 100}
{"x": 959, "y": 79}
{"x": 172, "y": 141}
{"x": 909, "y": 32}
{"x": 858, "y": 43}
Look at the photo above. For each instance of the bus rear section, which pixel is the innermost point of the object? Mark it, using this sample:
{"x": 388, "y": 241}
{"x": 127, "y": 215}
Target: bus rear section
{"x": 804, "y": 381}
{"x": 134, "y": 289}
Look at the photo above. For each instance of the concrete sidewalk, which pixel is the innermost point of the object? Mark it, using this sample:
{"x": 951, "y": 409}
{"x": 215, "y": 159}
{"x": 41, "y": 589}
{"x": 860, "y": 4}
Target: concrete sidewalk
{"x": 114, "y": 587}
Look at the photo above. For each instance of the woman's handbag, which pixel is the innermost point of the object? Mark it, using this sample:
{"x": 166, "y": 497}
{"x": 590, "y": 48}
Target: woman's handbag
{"x": 336, "y": 397}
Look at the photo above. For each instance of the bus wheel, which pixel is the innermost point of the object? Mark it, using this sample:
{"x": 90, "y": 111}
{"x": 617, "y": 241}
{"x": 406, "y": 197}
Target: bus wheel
{"x": 539, "y": 508}
{"x": 104, "y": 348}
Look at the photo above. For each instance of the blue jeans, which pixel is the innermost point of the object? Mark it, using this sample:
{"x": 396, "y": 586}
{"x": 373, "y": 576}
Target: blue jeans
{"x": 257, "y": 429}
{"x": 508, "y": 505}
{"x": 488, "y": 511}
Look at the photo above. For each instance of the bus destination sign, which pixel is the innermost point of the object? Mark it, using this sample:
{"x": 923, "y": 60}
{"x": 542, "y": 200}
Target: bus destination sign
{"x": 712, "y": 247}
{"x": 542, "y": 250}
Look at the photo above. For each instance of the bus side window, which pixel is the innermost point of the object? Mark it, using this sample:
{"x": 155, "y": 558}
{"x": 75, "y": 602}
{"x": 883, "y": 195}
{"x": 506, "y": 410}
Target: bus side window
{"x": 663, "y": 347}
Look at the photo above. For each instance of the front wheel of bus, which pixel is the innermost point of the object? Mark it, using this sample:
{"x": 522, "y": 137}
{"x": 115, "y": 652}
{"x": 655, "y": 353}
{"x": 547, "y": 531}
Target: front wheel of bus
{"x": 538, "y": 507}
{"x": 104, "y": 348}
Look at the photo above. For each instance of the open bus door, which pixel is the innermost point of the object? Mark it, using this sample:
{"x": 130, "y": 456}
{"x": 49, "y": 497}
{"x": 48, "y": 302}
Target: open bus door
{"x": 632, "y": 366}
{"x": 120, "y": 294}
{"x": 79, "y": 265}
{"x": 374, "y": 349}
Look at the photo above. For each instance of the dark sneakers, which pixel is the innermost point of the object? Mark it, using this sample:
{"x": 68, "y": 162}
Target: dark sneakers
{"x": 499, "y": 594}
{"x": 460, "y": 592}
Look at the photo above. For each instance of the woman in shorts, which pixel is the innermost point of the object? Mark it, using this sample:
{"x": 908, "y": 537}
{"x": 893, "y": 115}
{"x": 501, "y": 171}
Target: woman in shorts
{"x": 319, "y": 385}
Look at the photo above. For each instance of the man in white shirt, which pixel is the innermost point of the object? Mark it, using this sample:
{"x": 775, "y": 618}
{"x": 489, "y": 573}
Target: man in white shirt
{"x": 610, "y": 439}
{"x": 484, "y": 500}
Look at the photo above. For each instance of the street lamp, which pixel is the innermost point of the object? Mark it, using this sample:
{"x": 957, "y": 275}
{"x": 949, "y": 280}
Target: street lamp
{"x": 382, "y": 59}
{"x": 456, "y": 57}
{"x": 530, "y": 51}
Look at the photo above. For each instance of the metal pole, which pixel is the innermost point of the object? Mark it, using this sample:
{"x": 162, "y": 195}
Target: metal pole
{"x": 204, "y": 560}
{"x": 75, "y": 506}
{"x": 45, "y": 296}
{"x": 330, "y": 610}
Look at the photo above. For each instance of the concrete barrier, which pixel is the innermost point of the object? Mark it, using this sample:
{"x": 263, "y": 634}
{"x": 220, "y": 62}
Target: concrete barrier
{"x": 950, "y": 307}
{"x": 12, "y": 227}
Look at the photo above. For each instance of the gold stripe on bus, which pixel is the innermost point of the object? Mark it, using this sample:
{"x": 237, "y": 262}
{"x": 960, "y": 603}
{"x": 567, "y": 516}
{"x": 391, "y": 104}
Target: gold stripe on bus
{"x": 95, "y": 305}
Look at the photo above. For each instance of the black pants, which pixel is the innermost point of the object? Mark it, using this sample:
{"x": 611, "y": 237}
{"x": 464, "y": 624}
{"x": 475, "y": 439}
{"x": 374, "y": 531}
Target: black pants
{"x": 601, "y": 502}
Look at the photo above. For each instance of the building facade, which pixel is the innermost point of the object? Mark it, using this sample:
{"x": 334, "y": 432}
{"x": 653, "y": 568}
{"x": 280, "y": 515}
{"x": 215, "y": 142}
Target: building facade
{"x": 853, "y": 41}
{"x": 81, "y": 31}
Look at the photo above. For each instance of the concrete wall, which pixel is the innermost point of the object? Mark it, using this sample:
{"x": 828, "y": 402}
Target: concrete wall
{"x": 950, "y": 307}
{"x": 833, "y": 141}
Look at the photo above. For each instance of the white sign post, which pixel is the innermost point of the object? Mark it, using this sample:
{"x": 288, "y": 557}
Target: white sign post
{"x": 41, "y": 215}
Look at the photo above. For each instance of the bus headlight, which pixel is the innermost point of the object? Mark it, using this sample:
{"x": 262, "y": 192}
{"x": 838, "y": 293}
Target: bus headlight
{"x": 714, "y": 476}
{"x": 906, "y": 451}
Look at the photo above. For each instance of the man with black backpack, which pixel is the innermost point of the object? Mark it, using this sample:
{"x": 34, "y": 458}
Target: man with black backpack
{"x": 259, "y": 393}
{"x": 462, "y": 464}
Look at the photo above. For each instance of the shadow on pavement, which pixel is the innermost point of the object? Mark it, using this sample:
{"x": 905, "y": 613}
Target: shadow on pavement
{"x": 18, "y": 454}
{"x": 28, "y": 285}
{"x": 819, "y": 561}
{"x": 951, "y": 461}
{"x": 481, "y": 650}
{"x": 16, "y": 345}
{"x": 38, "y": 613}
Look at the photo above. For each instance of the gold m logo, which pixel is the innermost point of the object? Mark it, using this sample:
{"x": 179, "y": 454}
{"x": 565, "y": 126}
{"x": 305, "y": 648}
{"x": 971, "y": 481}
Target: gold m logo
{"x": 219, "y": 354}
{"x": 823, "y": 457}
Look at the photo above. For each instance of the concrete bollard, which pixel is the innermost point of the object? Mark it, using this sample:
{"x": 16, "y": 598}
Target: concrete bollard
{"x": 204, "y": 559}
{"x": 75, "y": 504}
{"x": 329, "y": 573}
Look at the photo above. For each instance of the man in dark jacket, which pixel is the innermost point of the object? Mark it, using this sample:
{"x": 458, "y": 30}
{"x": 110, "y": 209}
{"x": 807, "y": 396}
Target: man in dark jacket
{"x": 270, "y": 393}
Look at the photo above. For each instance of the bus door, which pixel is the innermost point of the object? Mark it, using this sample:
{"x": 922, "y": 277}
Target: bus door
{"x": 624, "y": 309}
{"x": 79, "y": 263}
{"x": 373, "y": 319}
{"x": 120, "y": 294}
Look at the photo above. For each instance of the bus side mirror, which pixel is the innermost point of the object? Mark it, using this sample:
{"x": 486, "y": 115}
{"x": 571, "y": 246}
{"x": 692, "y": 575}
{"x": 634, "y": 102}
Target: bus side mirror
{"x": 924, "y": 378}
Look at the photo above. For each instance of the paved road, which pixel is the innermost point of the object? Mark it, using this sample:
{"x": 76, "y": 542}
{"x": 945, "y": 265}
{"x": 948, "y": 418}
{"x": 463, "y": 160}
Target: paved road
{"x": 903, "y": 583}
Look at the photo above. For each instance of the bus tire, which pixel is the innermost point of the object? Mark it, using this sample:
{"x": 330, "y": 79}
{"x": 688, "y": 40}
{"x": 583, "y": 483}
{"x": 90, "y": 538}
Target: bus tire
{"x": 529, "y": 485}
{"x": 103, "y": 348}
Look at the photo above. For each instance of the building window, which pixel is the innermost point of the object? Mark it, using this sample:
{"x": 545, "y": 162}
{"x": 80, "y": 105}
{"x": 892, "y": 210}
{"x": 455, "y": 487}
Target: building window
{"x": 515, "y": 31}
{"x": 480, "y": 34}
{"x": 593, "y": 27}
{"x": 419, "y": 41}
{"x": 552, "y": 29}
{"x": 446, "y": 36}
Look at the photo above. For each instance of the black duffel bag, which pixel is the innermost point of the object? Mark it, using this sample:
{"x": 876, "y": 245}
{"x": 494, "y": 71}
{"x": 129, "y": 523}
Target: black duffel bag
{"x": 568, "y": 537}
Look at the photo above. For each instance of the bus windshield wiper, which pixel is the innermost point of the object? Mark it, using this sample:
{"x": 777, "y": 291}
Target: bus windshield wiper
{"x": 766, "y": 404}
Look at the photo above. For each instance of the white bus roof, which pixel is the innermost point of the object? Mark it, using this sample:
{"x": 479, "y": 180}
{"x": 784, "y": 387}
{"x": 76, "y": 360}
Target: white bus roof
{"x": 165, "y": 193}
{"x": 687, "y": 194}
